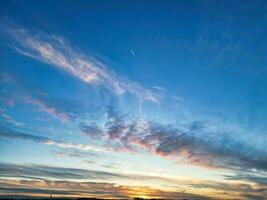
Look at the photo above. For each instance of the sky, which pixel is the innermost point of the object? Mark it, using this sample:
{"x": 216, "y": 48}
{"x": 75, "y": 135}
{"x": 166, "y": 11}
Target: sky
{"x": 123, "y": 99}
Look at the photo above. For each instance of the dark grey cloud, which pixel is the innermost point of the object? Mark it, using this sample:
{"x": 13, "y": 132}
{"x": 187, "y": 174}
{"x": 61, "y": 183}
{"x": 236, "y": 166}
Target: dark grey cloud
{"x": 92, "y": 130}
{"x": 6, "y": 133}
{"x": 40, "y": 171}
{"x": 243, "y": 189}
{"x": 194, "y": 142}
{"x": 62, "y": 173}
{"x": 115, "y": 124}
{"x": 257, "y": 177}
{"x": 219, "y": 151}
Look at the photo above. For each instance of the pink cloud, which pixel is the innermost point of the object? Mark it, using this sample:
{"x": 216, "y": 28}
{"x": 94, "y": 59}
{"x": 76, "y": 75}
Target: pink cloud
{"x": 45, "y": 107}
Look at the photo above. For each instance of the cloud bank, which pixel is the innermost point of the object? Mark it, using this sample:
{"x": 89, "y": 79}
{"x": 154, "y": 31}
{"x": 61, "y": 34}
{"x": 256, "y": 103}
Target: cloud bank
{"x": 42, "y": 180}
{"x": 193, "y": 143}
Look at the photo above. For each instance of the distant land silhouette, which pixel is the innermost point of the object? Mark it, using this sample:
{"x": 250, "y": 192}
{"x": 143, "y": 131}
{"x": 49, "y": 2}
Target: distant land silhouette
{"x": 59, "y": 198}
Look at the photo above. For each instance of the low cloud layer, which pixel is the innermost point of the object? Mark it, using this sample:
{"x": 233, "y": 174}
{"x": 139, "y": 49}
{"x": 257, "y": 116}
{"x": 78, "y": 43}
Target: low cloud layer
{"x": 10, "y": 134}
{"x": 87, "y": 189}
{"x": 45, "y": 180}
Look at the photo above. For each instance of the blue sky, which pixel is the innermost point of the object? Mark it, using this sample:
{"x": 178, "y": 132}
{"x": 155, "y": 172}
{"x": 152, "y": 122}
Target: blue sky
{"x": 133, "y": 98}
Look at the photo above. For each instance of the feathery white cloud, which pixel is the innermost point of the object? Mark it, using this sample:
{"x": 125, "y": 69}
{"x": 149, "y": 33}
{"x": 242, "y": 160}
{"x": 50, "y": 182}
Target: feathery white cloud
{"x": 57, "y": 52}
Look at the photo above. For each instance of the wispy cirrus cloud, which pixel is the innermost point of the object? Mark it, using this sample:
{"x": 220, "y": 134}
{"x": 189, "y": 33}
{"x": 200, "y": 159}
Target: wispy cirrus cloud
{"x": 64, "y": 109}
{"x": 57, "y": 52}
{"x": 46, "y": 107}
{"x": 10, "y": 134}
{"x": 74, "y": 153}
{"x": 9, "y": 119}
